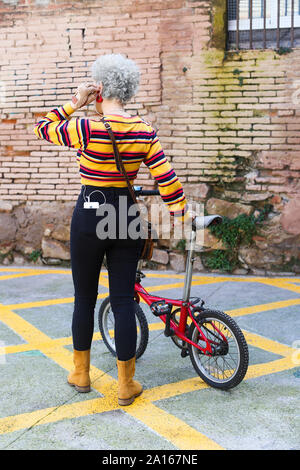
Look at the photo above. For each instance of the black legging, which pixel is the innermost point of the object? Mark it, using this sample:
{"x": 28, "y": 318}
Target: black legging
{"x": 87, "y": 252}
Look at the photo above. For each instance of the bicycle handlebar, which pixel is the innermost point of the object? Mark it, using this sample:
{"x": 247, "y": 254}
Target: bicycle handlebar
{"x": 149, "y": 192}
{"x": 139, "y": 191}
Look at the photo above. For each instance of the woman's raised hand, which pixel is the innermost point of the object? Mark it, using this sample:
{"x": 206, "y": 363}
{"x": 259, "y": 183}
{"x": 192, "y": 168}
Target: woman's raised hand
{"x": 85, "y": 94}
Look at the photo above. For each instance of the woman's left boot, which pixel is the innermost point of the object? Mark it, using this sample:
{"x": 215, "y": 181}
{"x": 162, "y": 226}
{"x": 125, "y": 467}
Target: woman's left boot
{"x": 79, "y": 377}
{"x": 129, "y": 389}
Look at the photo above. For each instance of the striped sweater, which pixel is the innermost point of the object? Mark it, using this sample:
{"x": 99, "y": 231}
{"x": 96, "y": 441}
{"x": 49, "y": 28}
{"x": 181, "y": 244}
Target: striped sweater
{"x": 137, "y": 142}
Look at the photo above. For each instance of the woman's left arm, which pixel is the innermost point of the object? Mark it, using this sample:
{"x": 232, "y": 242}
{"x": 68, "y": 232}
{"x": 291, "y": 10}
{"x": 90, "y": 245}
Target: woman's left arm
{"x": 56, "y": 127}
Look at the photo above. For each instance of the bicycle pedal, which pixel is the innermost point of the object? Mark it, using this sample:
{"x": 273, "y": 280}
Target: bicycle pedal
{"x": 185, "y": 353}
{"x": 160, "y": 307}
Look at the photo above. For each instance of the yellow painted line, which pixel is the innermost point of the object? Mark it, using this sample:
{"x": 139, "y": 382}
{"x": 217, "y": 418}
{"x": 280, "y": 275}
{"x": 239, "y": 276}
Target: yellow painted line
{"x": 103, "y": 281}
{"x": 168, "y": 426}
{"x": 262, "y": 307}
{"x": 10, "y": 270}
{"x": 24, "y": 268}
{"x": 146, "y": 412}
{"x": 171, "y": 428}
{"x": 252, "y": 338}
{"x": 273, "y": 367}
{"x": 163, "y": 287}
{"x": 183, "y": 436}
{"x": 177, "y": 285}
{"x": 158, "y": 420}
{"x": 53, "y": 414}
{"x": 32, "y": 272}
{"x": 282, "y": 284}
{"x": 166, "y": 391}
{"x": 40, "y": 303}
{"x": 46, "y": 303}
{"x": 268, "y": 345}
{"x": 161, "y": 275}
{"x": 16, "y": 348}
{"x": 153, "y": 413}
{"x": 20, "y": 326}
{"x": 67, "y": 300}
{"x": 174, "y": 389}
{"x": 19, "y": 275}
{"x": 64, "y": 359}
{"x": 212, "y": 280}
{"x": 291, "y": 286}
{"x": 58, "y": 354}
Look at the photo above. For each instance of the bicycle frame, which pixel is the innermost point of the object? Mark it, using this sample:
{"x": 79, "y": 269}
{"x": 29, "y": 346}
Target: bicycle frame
{"x": 185, "y": 305}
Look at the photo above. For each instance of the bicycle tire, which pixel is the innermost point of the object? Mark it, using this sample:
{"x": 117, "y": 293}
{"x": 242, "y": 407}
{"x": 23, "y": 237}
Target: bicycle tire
{"x": 141, "y": 321}
{"x": 237, "y": 338}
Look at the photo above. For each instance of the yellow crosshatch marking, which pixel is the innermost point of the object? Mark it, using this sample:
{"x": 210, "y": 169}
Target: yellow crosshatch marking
{"x": 176, "y": 431}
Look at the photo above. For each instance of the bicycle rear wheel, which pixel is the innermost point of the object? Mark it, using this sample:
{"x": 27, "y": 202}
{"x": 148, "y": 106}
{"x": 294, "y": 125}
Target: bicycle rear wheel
{"x": 106, "y": 323}
{"x": 227, "y": 365}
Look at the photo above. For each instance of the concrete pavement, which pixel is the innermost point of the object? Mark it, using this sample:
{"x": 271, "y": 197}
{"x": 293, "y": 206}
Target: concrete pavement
{"x": 38, "y": 410}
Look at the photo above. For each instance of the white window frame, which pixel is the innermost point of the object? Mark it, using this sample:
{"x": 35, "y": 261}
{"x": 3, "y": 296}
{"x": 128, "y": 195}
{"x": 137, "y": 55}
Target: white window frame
{"x": 271, "y": 23}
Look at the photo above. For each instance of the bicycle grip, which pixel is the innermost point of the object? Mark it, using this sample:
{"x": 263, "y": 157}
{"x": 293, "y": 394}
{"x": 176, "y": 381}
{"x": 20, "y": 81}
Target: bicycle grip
{"x": 201, "y": 222}
{"x": 148, "y": 192}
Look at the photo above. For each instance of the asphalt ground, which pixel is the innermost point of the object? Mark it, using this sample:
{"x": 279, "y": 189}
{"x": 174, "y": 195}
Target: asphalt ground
{"x": 177, "y": 410}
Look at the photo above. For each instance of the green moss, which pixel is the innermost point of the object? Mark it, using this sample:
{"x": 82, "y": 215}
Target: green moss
{"x": 224, "y": 129}
{"x": 219, "y": 26}
{"x": 234, "y": 233}
{"x": 34, "y": 255}
{"x": 291, "y": 266}
{"x": 181, "y": 245}
{"x": 220, "y": 259}
{"x": 284, "y": 50}
{"x": 213, "y": 56}
{"x": 263, "y": 213}
{"x": 241, "y": 81}
{"x": 258, "y": 113}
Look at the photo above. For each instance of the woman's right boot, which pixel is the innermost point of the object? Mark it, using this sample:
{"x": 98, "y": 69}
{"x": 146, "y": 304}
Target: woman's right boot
{"x": 129, "y": 389}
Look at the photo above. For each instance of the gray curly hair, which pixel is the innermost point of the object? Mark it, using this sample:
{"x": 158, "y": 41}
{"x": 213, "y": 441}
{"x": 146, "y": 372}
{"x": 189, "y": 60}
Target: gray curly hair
{"x": 120, "y": 76}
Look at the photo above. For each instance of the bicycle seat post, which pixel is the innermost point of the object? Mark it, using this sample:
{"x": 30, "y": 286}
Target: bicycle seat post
{"x": 139, "y": 265}
{"x": 189, "y": 267}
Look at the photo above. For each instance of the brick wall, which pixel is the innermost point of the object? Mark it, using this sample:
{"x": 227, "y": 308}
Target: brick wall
{"x": 47, "y": 50}
{"x": 228, "y": 121}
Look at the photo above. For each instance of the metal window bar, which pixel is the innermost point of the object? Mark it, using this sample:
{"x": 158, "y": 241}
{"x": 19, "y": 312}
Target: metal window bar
{"x": 278, "y": 23}
{"x": 251, "y": 17}
{"x": 292, "y": 23}
{"x": 254, "y": 24}
{"x": 265, "y": 19}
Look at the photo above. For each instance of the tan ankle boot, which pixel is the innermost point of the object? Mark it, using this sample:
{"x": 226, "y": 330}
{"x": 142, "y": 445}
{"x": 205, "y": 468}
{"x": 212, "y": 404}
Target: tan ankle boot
{"x": 129, "y": 389}
{"x": 80, "y": 378}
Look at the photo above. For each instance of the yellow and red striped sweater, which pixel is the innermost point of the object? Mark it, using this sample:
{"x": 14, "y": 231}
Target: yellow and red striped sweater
{"x": 137, "y": 142}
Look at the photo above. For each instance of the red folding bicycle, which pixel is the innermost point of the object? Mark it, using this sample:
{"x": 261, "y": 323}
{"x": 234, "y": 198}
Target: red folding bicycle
{"x": 211, "y": 338}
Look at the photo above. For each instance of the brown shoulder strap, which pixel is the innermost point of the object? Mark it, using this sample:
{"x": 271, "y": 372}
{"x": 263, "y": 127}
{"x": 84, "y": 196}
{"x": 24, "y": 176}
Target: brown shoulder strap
{"x": 118, "y": 158}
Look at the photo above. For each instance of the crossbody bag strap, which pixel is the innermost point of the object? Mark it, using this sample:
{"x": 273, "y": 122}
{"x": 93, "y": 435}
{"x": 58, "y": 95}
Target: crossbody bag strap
{"x": 118, "y": 159}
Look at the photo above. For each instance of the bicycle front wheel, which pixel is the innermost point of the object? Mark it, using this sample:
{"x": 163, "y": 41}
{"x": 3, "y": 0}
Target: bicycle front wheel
{"x": 226, "y": 366}
{"x": 106, "y": 323}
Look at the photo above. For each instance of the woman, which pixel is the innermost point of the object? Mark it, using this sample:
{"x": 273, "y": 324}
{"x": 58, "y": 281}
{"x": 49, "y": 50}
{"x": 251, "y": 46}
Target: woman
{"x": 116, "y": 81}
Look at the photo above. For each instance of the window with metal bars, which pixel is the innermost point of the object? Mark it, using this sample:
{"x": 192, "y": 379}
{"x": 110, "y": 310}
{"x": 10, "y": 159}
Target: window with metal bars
{"x": 262, "y": 24}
